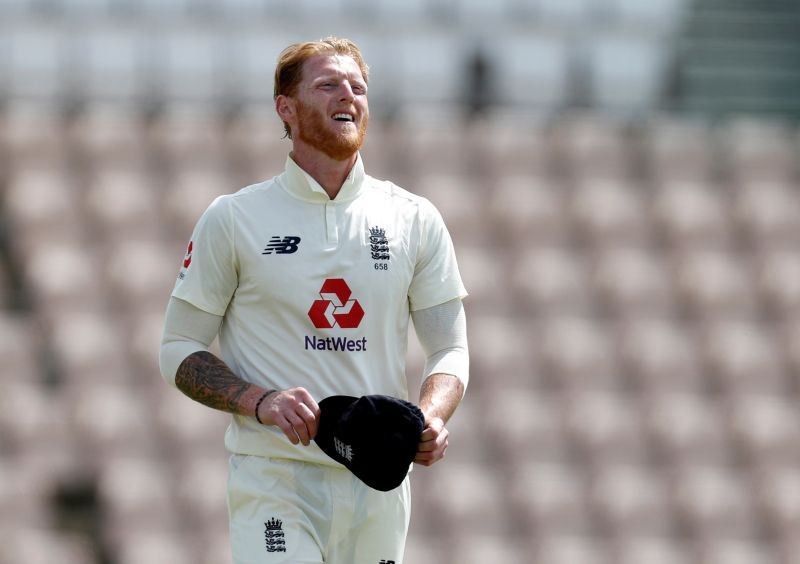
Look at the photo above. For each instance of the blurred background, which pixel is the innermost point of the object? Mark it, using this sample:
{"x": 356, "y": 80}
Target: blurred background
{"x": 621, "y": 181}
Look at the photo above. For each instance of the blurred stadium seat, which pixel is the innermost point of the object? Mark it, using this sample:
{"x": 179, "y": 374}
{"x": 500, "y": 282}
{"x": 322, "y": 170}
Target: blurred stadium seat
{"x": 19, "y": 346}
{"x": 714, "y": 284}
{"x": 630, "y": 500}
{"x": 678, "y": 150}
{"x": 578, "y": 354}
{"x": 480, "y": 548}
{"x": 593, "y": 148}
{"x": 743, "y": 357}
{"x": 608, "y": 213}
{"x": 604, "y": 425}
{"x": 636, "y": 549}
{"x": 111, "y": 420}
{"x": 686, "y": 427}
{"x": 467, "y": 499}
{"x": 759, "y": 149}
{"x": 523, "y": 424}
{"x": 40, "y": 546}
{"x": 550, "y": 280}
{"x": 659, "y": 354}
{"x": 526, "y": 212}
{"x": 777, "y": 493}
{"x": 735, "y": 551}
{"x": 765, "y": 428}
{"x": 632, "y": 282}
{"x": 690, "y": 214}
{"x": 766, "y": 211}
{"x": 88, "y": 347}
{"x": 137, "y": 496}
{"x": 140, "y": 547}
{"x": 565, "y": 549}
{"x": 508, "y": 348}
{"x": 713, "y": 503}
{"x": 549, "y": 499}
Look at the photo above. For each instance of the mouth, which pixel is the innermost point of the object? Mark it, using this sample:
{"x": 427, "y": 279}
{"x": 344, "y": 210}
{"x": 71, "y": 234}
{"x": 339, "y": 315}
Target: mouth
{"x": 344, "y": 117}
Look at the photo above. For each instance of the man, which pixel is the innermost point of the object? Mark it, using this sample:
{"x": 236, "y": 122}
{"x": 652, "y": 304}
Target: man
{"x": 310, "y": 279}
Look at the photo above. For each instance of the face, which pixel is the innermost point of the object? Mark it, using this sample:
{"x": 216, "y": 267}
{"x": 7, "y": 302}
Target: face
{"x": 331, "y": 110}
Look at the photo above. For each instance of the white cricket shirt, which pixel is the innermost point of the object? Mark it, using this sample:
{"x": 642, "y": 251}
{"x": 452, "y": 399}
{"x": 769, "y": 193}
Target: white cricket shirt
{"x": 316, "y": 292}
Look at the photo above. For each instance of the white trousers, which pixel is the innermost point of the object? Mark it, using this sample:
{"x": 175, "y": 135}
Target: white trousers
{"x": 285, "y": 511}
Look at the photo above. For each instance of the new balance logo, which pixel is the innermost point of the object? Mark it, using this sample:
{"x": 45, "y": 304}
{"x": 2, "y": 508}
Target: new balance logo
{"x": 282, "y": 246}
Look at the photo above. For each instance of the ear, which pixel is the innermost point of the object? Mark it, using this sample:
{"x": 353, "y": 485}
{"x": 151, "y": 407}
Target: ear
{"x": 285, "y": 108}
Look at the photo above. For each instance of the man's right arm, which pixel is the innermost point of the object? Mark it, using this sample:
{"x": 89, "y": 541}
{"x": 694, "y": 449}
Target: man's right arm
{"x": 188, "y": 332}
{"x": 208, "y": 380}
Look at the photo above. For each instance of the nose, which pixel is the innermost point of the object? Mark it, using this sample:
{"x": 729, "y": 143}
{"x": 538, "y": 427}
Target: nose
{"x": 346, "y": 92}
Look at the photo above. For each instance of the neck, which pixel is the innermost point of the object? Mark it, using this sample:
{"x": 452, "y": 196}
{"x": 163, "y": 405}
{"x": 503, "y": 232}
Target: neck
{"x": 330, "y": 173}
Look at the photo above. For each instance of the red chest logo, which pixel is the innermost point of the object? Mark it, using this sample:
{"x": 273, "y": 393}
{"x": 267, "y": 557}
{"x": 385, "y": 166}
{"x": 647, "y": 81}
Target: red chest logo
{"x": 335, "y": 307}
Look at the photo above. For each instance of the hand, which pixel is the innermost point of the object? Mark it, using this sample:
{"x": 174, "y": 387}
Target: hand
{"x": 294, "y": 411}
{"x": 433, "y": 442}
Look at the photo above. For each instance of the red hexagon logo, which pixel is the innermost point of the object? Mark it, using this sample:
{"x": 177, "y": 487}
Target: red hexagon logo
{"x": 335, "y": 306}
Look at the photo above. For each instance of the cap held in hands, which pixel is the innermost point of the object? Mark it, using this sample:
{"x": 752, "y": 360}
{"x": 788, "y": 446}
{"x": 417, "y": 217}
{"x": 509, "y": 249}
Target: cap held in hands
{"x": 376, "y": 437}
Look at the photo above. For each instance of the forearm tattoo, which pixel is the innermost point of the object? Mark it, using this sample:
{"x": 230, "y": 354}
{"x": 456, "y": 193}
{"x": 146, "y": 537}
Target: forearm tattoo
{"x": 206, "y": 379}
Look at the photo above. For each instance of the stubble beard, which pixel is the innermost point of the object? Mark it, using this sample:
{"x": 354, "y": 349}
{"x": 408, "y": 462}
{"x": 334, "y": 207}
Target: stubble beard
{"x": 313, "y": 130}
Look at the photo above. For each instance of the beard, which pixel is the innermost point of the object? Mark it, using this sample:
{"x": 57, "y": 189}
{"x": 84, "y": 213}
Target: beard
{"x": 313, "y": 130}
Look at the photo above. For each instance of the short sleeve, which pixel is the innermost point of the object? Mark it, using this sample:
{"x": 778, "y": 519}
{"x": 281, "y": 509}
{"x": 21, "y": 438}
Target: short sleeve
{"x": 209, "y": 274}
{"x": 436, "y": 277}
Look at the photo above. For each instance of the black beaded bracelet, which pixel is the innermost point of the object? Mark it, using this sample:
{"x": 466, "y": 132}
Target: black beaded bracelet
{"x": 258, "y": 404}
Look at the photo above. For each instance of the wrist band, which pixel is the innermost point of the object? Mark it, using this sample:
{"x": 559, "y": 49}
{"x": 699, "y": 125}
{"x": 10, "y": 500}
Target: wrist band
{"x": 258, "y": 404}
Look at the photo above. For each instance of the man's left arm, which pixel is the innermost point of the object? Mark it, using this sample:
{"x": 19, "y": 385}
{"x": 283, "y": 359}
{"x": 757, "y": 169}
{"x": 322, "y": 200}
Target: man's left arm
{"x": 442, "y": 332}
{"x": 439, "y": 396}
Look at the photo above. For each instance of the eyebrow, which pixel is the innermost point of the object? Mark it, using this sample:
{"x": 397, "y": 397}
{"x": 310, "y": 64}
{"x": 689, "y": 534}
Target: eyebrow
{"x": 339, "y": 76}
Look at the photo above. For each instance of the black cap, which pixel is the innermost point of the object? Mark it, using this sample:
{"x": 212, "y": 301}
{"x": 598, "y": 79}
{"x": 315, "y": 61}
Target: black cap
{"x": 376, "y": 437}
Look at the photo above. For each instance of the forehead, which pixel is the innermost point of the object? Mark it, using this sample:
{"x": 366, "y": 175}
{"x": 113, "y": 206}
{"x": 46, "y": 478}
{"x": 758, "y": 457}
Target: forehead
{"x": 326, "y": 65}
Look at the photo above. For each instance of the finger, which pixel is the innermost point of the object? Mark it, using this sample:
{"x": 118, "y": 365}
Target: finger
{"x": 293, "y": 428}
{"x": 309, "y": 419}
{"x": 432, "y": 446}
{"x": 426, "y": 446}
{"x": 305, "y": 398}
{"x": 300, "y": 428}
{"x": 428, "y": 458}
{"x": 428, "y": 435}
{"x": 422, "y": 460}
{"x": 288, "y": 430}
{"x": 433, "y": 435}
{"x": 309, "y": 410}
{"x": 425, "y": 458}
{"x": 314, "y": 407}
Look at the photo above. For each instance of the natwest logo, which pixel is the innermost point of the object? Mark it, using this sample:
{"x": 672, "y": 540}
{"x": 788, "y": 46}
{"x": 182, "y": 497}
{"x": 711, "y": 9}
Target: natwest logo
{"x": 335, "y": 307}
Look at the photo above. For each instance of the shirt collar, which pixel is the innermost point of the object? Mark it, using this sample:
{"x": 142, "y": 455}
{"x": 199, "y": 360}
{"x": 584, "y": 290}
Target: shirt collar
{"x": 302, "y": 185}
